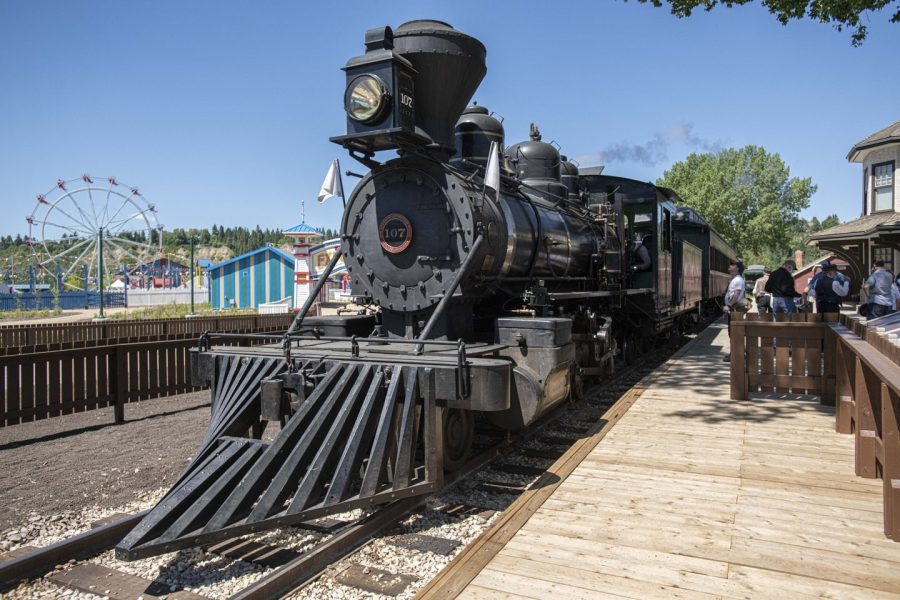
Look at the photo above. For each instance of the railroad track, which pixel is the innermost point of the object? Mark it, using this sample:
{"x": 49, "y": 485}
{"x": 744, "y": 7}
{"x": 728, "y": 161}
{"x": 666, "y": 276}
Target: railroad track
{"x": 505, "y": 467}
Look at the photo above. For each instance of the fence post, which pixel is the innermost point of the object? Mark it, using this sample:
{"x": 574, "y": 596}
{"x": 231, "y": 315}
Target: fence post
{"x": 738, "y": 362}
{"x": 865, "y": 425}
{"x": 829, "y": 384}
{"x": 121, "y": 379}
{"x": 844, "y": 409}
{"x": 891, "y": 467}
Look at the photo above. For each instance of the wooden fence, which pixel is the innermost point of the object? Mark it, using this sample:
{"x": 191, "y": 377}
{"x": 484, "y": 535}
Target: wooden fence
{"x": 86, "y": 374}
{"x": 17, "y": 339}
{"x": 807, "y": 355}
{"x": 792, "y": 354}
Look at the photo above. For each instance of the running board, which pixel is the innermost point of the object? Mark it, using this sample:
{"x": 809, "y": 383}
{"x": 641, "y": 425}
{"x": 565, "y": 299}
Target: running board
{"x": 367, "y": 434}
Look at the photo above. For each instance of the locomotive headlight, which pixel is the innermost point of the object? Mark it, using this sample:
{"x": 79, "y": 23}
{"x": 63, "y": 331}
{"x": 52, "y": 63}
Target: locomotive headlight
{"x": 366, "y": 98}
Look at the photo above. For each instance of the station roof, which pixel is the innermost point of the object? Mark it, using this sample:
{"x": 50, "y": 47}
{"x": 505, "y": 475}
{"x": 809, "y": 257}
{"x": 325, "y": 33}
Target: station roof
{"x": 302, "y": 228}
{"x": 888, "y": 135}
{"x": 273, "y": 249}
{"x": 861, "y": 227}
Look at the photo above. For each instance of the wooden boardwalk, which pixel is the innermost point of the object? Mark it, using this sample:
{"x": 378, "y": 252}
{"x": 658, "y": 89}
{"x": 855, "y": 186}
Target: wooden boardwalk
{"x": 693, "y": 495}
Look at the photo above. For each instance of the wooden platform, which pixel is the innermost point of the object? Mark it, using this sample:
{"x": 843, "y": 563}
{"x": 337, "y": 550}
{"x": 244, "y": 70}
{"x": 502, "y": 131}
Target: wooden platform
{"x": 693, "y": 495}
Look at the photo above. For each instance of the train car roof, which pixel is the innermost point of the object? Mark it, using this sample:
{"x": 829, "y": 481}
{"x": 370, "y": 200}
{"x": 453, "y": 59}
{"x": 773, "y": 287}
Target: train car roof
{"x": 633, "y": 189}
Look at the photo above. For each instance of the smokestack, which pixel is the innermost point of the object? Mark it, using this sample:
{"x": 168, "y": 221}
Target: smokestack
{"x": 449, "y": 66}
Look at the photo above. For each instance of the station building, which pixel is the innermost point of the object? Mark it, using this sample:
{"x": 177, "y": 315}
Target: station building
{"x": 876, "y": 234}
{"x": 246, "y": 281}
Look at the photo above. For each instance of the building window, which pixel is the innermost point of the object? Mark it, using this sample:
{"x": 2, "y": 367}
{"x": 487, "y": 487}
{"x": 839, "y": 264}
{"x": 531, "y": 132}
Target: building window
{"x": 883, "y": 184}
{"x": 885, "y": 254}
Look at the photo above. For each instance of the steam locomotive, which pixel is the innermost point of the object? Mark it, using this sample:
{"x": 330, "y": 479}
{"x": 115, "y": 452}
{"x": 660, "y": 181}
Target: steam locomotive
{"x": 499, "y": 303}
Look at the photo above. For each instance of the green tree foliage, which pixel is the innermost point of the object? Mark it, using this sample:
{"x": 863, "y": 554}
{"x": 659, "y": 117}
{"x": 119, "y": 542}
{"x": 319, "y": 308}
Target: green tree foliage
{"x": 839, "y": 13}
{"x": 747, "y": 195}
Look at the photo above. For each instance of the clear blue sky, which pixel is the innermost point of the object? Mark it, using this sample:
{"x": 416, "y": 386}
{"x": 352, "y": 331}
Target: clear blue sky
{"x": 221, "y": 111}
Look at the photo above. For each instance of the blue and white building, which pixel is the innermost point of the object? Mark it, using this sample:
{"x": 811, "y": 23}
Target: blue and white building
{"x": 251, "y": 279}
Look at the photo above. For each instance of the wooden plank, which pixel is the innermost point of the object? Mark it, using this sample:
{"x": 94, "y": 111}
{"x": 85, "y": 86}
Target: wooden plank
{"x": 54, "y": 396}
{"x": 584, "y": 574}
{"x": 752, "y": 345}
{"x": 67, "y": 386}
{"x": 523, "y": 587}
{"x": 890, "y": 433}
{"x": 782, "y": 367}
{"x": 738, "y": 361}
{"x": 133, "y": 375}
{"x": 116, "y": 585}
{"x": 26, "y": 379}
{"x": 78, "y": 374}
{"x": 767, "y": 360}
{"x": 90, "y": 379}
{"x": 41, "y": 384}
{"x": 864, "y": 572}
{"x": 10, "y": 370}
{"x": 171, "y": 369}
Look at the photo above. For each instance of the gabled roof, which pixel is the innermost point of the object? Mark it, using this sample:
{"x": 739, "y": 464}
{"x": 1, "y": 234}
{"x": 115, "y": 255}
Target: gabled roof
{"x": 273, "y": 249}
{"x": 888, "y": 135}
{"x": 863, "y": 226}
{"x": 302, "y": 228}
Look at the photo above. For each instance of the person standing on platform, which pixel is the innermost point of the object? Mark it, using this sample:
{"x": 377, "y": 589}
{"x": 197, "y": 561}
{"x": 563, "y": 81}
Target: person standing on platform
{"x": 781, "y": 286}
{"x": 810, "y": 289}
{"x": 830, "y": 288}
{"x": 736, "y": 296}
{"x": 878, "y": 287}
{"x": 762, "y": 298}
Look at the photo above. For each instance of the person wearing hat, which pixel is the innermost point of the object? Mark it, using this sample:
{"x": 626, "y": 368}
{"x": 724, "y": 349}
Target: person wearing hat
{"x": 830, "y": 288}
{"x": 878, "y": 288}
{"x": 781, "y": 286}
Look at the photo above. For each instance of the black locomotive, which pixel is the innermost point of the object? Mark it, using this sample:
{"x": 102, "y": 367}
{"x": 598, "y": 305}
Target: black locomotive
{"x": 499, "y": 303}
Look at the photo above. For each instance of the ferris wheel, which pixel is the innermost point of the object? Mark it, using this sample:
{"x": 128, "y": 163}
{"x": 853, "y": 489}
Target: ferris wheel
{"x": 103, "y": 225}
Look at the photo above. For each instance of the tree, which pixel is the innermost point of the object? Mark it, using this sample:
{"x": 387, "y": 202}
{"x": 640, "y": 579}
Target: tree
{"x": 747, "y": 195}
{"x": 840, "y": 13}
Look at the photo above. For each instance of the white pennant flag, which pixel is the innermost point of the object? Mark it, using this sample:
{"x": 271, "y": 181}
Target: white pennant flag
{"x": 492, "y": 171}
{"x": 332, "y": 185}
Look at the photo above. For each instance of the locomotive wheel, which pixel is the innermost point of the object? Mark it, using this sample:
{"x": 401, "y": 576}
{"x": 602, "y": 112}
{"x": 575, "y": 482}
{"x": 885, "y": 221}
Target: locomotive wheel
{"x": 459, "y": 429}
{"x": 646, "y": 344}
{"x": 629, "y": 351}
{"x": 576, "y": 386}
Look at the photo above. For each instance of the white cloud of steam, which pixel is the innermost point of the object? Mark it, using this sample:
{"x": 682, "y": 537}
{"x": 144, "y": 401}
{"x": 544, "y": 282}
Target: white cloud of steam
{"x": 654, "y": 151}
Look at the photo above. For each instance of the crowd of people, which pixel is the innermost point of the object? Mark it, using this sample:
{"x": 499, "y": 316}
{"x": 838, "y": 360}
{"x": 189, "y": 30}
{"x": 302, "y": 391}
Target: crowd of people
{"x": 775, "y": 291}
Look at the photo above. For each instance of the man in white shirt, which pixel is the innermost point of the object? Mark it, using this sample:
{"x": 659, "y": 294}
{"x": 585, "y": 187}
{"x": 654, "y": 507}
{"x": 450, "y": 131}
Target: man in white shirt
{"x": 736, "y": 294}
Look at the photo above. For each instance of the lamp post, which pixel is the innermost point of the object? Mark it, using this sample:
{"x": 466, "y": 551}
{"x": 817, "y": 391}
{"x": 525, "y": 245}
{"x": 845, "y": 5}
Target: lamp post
{"x": 191, "y": 275}
{"x": 102, "y": 316}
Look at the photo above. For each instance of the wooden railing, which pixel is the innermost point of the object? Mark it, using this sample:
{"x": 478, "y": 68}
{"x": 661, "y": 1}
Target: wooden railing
{"x": 826, "y": 358}
{"x": 791, "y": 354}
{"x": 17, "y": 339}
{"x": 82, "y": 375}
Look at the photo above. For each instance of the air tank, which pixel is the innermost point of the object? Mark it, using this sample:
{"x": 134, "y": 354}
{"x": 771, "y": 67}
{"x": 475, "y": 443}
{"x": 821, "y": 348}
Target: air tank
{"x": 537, "y": 165}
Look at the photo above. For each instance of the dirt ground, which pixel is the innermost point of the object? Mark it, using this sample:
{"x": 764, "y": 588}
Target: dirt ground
{"x": 73, "y": 461}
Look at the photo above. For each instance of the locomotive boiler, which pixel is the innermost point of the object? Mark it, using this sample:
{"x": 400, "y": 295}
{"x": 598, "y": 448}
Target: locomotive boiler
{"x": 490, "y": 298}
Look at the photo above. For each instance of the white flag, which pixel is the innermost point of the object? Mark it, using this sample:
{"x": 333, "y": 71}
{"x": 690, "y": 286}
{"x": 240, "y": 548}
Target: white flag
{"x": 492, "y": 170}
{"x": 332, "y": 185}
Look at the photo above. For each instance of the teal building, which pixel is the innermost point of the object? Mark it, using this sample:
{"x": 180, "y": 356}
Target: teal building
{"x": 251, "y": 279}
